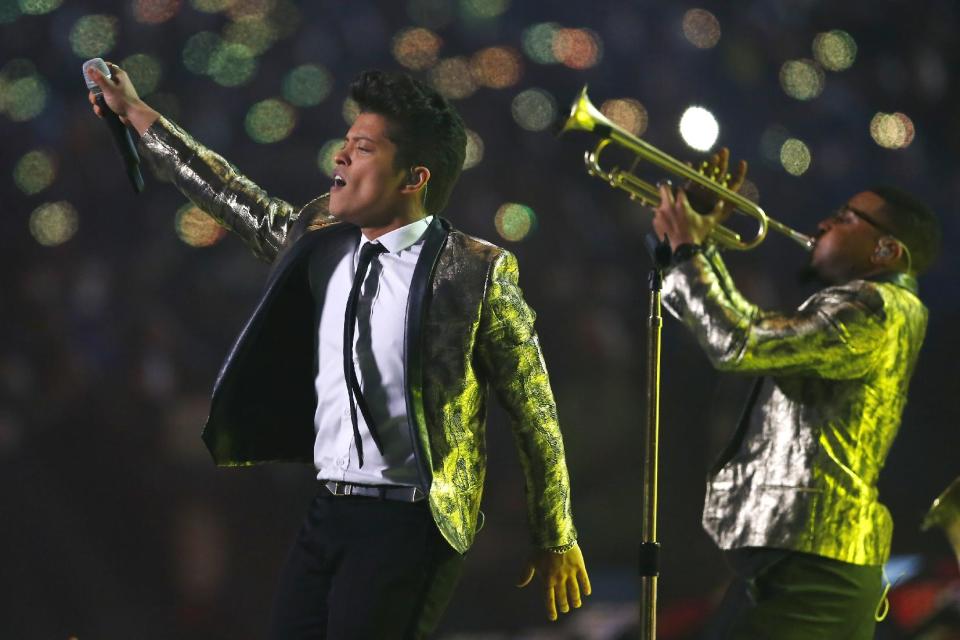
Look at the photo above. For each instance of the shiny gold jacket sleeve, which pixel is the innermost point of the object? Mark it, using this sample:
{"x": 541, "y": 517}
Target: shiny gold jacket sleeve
{"x": 218, "y": 188}
{"x": 510, "y": 355}
{"x": 834, "y": 335}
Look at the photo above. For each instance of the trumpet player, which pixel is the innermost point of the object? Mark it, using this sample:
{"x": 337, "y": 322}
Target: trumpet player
{"x": 792, "y": 500}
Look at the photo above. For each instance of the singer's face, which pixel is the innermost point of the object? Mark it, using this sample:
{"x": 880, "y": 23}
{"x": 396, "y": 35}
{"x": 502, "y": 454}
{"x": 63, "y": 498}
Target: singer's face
{"x": 366, "y": 185}
{"x": 847, "y": 242}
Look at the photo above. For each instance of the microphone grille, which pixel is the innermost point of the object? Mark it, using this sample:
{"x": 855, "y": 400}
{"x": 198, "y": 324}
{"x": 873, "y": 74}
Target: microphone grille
{"x": 99, "y": 65}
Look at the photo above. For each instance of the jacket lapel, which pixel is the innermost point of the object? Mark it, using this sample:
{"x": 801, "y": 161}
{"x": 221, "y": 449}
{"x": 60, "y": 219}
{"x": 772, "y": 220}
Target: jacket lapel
{"x": 417, "y": 303}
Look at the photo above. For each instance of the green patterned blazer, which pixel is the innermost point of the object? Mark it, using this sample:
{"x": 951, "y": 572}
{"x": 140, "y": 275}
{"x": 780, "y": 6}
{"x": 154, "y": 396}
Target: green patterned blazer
{"x": 467, "y": 329}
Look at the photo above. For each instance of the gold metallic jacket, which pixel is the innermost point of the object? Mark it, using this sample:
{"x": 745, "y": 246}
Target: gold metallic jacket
{"x": 801, "y": 470}
{"x": 467, "y": 328}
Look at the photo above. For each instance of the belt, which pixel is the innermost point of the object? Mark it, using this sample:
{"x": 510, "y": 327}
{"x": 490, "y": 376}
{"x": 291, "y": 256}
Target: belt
{"x": 383, "y": 492}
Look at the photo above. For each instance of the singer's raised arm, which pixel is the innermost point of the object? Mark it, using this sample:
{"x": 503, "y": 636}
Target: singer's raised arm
{"x": 217, "y": 187}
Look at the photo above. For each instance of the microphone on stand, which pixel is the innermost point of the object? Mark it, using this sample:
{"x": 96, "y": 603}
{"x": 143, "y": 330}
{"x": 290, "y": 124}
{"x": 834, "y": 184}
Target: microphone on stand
{"x": 120, "y": 133}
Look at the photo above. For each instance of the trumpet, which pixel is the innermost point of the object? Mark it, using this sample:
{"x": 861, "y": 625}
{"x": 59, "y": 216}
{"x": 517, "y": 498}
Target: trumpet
{"x": 586, "y": 117}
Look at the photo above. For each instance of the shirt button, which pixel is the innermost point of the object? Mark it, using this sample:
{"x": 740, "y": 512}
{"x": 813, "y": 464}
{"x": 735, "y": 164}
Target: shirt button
{"x": 341, "y": 462}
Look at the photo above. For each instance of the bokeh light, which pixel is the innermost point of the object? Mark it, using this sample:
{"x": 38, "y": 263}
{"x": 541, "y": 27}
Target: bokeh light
{"x": 325, "y": 156}
{"x": 538, "y": 42}
{"x": 795, "y": 156}
{"x": 514, "y": 221}
{"x": 474, "y": 153}
{"x": 23, "y": 98}
{"x": 199, "y": 50}
{"x": 35, "y": 171}
{"x": 534, "y": 109}
{"x": 54, "y": 223}
{"x": 892, "y": 130}
{"x": 496, "y": 67}
{"x": 452, "y": 78}
{"x": 483, "y": 8}
{"x": 93, "y": 35}
{"x": 144, "y": 71}
{"x": 627, "y": 113}
{"x": 433, "y": 14}
{"x": 253, "y": 32}
{"x": 238, "y": 9}
{"x": 701, "y": 28}
{"x": 699, "y": 128}
{"x": 307, "y": 85}
{"x": 155, "y": 11}
{"x": 9, "y": 11}
{"x": 39, "y": 7}
{"x": 835, "y": 50}
{"x": 350, "y": 110}
{"x": 270, "y": 120}
{"x": 771, "y": 141}
{"x": 801, "y": 79}
{"x": 416, "y": 48}
{"x": 196, "y": 228}
{"x": 577, "y": 48}
{"x": 285, "y": 18}
{"x": 232, "y": 64}
{"x": 210, "y": 6}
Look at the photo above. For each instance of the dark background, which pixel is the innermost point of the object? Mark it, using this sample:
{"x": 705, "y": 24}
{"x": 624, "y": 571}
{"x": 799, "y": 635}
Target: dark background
{"x": 113, "y": 520}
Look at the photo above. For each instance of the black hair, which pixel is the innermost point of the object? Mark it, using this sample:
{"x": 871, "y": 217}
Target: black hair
{"x": 426, "y": 129}
{"x": 913, "y": 223}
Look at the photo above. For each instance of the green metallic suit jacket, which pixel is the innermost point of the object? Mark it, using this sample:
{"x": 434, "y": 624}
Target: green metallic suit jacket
{"x": 800, "y": 472}
{"x": 467, "y": 329}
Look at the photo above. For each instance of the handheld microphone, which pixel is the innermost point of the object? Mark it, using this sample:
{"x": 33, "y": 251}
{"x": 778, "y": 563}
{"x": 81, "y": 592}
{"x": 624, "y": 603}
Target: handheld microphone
{"x": 120, "y": 133}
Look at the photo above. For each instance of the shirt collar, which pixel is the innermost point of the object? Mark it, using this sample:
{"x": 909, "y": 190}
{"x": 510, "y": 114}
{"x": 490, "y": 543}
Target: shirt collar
{"x": 898, "y": 278}
{"x": 403, "y": 238}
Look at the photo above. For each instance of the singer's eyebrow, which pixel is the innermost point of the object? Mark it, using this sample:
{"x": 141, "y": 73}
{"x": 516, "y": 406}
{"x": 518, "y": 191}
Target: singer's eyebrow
{"x": 366, "y": 138}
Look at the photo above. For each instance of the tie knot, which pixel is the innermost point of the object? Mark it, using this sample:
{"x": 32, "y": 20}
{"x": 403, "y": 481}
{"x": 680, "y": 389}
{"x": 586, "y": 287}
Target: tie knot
{"x": 371, "y": 249}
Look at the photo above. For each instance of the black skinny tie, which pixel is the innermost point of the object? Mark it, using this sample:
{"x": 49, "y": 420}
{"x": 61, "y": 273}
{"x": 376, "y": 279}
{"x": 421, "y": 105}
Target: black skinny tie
{"x": 367, "y": 252}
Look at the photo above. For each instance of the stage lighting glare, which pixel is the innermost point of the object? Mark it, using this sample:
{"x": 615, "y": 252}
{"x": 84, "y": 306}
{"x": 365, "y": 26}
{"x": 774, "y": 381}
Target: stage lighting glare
{"x": 496, "y": 67}
{"x": 892, "y": 130}
{"x": 93, "y": 35}
{"x": 483, "y": 8}
{"x": 238, "y": 9}
{"x": 452, "y": 78}
{"x": 514, "y": 222}
{"x": 39, "y": 7}
{"x": 35, "y": 171}
{"x": 232, "y": 65}
{"x": 701, "y": 28}
{"x": 749, "y": 190}
{"x": 53, "y": 223}
{"x": 699, "y": 128}
{"x": 197, "y": 229}
{"x": 144, "y": 71}
{"x": 270, "y": 121}
{"x": 534, "y": 109}
{"x": 801, "y": 79}
{"x": 433, "y": 14}
{"x": 211, "y": 6}
{"x": 307, "y": 85}
{"x": 795, "y": 157}
{"x": 627, "y": 113}
{"x": 350, "y": 110}
{"x": 835, "y": 50}
{"x": 253, "y": 32}
{"x": 23, "y": 99}
{"x": 416, "y": 48}
{"x": 155, "y": 11}
{"x": 577, "y": 48}
{"x": 474, "y": 153}
{"x": 199, "y": 50}
{"x": 538, "y": 42}
{"x": 325, "y": 156}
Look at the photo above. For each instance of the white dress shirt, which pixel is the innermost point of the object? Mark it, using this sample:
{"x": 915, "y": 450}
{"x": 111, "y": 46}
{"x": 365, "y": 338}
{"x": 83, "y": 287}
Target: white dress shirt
{"x": 378, "y": 358}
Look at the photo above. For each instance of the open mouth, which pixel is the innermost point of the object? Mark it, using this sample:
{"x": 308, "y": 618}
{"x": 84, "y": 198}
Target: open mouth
{"x": 338, "y": 181}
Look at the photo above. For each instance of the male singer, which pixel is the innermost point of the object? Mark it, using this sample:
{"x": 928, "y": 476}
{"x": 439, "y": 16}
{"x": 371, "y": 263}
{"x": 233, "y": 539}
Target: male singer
{"x": 793, "y": 498}
{"x": 370, "y": 354}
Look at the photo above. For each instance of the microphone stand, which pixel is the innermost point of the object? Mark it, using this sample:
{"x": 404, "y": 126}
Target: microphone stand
{"x": 648, "y": 565}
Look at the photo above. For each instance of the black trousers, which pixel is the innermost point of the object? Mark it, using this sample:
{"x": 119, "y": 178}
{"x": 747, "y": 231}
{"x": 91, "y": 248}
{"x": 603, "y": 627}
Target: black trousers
{"x": 365, "y": 568}
{"x": 787, "y": 595}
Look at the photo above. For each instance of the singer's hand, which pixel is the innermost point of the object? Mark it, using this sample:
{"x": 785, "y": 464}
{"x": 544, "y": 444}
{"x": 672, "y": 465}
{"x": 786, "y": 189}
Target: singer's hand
{"x": 121, "y": 96}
